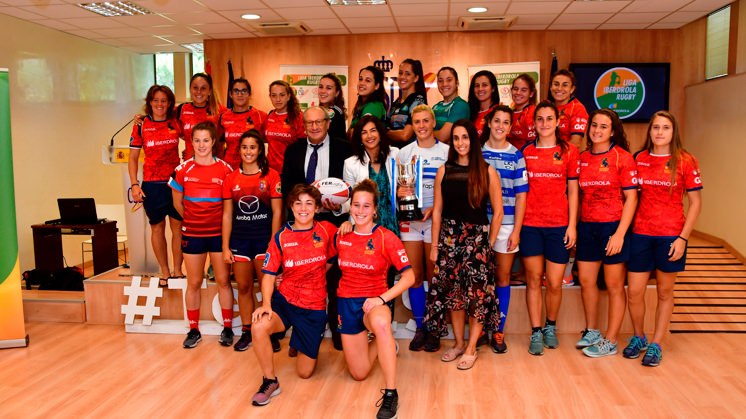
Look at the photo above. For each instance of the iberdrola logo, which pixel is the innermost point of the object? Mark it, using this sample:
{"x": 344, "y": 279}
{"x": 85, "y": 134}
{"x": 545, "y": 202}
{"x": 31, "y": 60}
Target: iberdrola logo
{"x": 621, "y": 90}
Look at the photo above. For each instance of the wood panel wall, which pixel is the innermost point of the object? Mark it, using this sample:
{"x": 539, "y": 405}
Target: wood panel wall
{"x": 258, "y": 59}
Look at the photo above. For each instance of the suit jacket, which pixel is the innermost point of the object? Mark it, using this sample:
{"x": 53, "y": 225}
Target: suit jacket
{"x": 293, "y": 171}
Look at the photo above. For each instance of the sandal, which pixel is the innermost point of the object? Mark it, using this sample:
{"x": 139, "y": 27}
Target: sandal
{"x": 163, "y": 282}
{"x": 467, "y": 361}
{"x": 451, "y": 354}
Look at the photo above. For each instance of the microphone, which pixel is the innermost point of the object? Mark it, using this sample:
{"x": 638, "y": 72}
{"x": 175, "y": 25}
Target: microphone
{"x": 111, "y": 144}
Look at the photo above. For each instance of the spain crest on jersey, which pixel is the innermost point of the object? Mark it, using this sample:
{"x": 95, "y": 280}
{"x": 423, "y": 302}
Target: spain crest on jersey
{"x": 604, "y": 165}
{"x": 369, "y": 247}
{"x": 317, "y": 241}
{"x": 667, "y": 167}
{"x": 557, "y": 158}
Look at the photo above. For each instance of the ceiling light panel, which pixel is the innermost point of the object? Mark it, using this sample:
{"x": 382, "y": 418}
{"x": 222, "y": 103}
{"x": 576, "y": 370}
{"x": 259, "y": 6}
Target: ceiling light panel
{"x": 115, "y": 8}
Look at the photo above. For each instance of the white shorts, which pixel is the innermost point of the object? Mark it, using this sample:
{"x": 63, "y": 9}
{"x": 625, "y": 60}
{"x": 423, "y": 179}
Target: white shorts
{"x": 501, "y": 244}
{"x": 416, "y": 231}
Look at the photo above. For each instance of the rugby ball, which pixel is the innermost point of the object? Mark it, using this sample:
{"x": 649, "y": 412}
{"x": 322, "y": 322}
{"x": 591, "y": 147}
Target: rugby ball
{"x": 333, "y": 189}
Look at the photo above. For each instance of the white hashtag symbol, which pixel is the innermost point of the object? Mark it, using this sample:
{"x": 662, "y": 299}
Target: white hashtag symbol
{"x": 131, "y": 309}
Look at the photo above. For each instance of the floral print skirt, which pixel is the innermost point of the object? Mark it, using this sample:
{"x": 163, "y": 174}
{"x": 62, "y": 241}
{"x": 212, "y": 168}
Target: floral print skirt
{"x": 463, "y": 278}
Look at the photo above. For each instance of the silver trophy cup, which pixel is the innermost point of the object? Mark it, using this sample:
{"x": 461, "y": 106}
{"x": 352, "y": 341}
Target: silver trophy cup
{"x": 407, "y": 206}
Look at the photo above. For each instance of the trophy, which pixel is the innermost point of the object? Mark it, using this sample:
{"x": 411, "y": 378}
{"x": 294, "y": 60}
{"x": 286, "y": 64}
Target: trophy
{"x": 408, "y": 177}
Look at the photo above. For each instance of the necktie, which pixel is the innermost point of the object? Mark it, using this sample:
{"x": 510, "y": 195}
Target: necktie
{"x": 312, "y": 162}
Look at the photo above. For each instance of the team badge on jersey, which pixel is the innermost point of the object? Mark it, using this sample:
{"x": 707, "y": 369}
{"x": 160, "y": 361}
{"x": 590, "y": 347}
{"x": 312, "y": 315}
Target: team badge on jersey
{"x": 278, "y": 188}
{"x": 266, "y": 260}
{"x": 557, "y": 158}
{"x": 317, "y": 241}
{"x": 369, "y": 248}
{"x": 262, "y": 185}
{"x": 604, "y": 165}
{"x": 667, "y": 167}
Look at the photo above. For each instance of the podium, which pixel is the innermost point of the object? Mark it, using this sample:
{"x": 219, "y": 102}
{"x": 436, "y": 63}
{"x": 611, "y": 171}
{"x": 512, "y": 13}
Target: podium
{"x": 48, "y": 245}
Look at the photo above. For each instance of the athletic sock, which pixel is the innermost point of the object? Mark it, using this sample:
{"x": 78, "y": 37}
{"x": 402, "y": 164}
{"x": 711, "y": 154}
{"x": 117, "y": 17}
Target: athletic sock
{"x": 503, "y": 297}
{"x": 551, "y": 322}
{"x": 535, "y": 329}
{"x": 193, "y": 317}
{"x": 246, "y": 328}
{"x": 417, "y": 300}
{"x": 227, "y": 317}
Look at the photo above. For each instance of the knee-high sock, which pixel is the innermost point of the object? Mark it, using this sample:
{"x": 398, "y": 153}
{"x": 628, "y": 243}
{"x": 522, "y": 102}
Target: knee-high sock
{"x": 417, "y": 300}
{"x": 503, "y": 296}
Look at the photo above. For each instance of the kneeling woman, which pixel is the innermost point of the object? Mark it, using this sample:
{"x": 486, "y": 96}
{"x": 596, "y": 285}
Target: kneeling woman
{"x": 304, "y": 249}
{"x": 198, "y": 197}
{"x": 462, "y": 240}
{"x": 364, "y": 259}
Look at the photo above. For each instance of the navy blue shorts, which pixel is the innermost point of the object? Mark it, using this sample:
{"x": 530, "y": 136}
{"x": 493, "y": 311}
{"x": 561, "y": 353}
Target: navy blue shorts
{"x": 158, "y": 202}
{"x": 308, "y": 325}
{"x": 350, "y": 315}
{"x": 592, "y": 241}
{"x": 647, "y": 253}
{"x": 198, "y": 245}
{"x": 248, "y": 250}
{"x": 545, "y": 241}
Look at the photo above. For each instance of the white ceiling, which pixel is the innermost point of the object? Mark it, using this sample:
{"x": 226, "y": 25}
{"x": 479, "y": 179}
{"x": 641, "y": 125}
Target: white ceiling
{"x": 189, "y": 21}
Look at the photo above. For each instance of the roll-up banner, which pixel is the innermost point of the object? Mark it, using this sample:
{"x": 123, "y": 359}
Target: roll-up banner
{"x": 12, "y": 329}
{"x": 506, "y": 72}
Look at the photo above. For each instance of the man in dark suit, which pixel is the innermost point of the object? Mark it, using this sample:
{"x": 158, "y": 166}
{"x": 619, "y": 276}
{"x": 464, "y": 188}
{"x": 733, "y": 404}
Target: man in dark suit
{"x": 307, "y": 160}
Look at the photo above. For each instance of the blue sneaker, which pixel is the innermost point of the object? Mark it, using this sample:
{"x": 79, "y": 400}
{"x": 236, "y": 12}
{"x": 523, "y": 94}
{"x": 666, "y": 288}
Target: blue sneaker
{"x": 590, "y": 338}
{"x": 653, "y": 356}
{"x": 550, "y": 337}
{"x": 537, "y": 344}
{"x": 636, "y": 344}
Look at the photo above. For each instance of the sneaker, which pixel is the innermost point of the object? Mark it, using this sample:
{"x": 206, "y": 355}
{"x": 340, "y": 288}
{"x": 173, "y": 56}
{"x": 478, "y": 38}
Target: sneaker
{"x": 537, "y": 343}
{"x": 603, "y": 347}
{"x": 275, "y": 343}
{"x": 484, "y": 338}
{"x": 653, "y": 356}
{"x": 418, "y": 342}
{"x": 636, "y": 344}
{"x": 590, "y": 338}
{"x": 432, "y": 342}
{"x": 292, "y": 352}
{"x": 389, "y": 403}
{"x": 268, "y": 389}
{"x": 193, "y": 338}
{"x": 498, "y": 343}
{"x": 397, "y": 346}
{"x": 244, "y": 342}
{"x": 568, "y": 281}
{"x": 226, "y": 337}
{"x": 550, "y": 337}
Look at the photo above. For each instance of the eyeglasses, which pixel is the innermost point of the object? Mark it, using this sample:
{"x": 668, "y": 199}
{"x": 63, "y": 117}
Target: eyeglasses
{"x": 240, "y": 91}
{"x": 319, "y": 122}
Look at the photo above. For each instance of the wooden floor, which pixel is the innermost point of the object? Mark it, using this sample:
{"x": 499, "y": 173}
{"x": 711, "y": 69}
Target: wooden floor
{"x": 79, "y": 370}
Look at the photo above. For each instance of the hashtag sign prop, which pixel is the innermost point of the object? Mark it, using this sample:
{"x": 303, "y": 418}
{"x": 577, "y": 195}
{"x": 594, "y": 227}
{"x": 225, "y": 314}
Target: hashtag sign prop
{"x": 132, "y": 309}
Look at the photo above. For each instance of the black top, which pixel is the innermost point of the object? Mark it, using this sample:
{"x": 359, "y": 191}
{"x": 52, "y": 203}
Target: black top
{"x": 338, "y": 125}
{"x": 455, "y": 191}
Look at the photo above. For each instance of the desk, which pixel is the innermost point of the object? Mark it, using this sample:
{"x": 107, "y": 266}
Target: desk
{"x": 48, "y": 244}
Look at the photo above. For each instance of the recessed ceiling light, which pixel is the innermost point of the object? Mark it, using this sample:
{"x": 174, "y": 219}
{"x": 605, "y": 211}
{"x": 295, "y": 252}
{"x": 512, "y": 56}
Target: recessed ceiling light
{"x": 477, "y": 9}
{"x": 196, "y": 47}
{"x": 115, "y": 8}
{"x": 250, "y": 16}
{"x": 354, "y": 2}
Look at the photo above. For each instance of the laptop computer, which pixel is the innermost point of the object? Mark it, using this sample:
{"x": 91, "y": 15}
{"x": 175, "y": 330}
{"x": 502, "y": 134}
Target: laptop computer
{"x": 74, "y": 211}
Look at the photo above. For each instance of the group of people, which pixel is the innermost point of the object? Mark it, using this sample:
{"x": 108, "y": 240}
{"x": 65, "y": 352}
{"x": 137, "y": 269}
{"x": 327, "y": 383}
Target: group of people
{"x": 496, "y": 180}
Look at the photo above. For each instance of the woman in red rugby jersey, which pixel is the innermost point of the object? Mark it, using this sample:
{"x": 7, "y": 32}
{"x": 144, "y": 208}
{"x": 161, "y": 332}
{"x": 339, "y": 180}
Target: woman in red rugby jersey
{"x": 284, "y": 123}
{"x": 237, "y": 120}
{"x": 523, "y": 92}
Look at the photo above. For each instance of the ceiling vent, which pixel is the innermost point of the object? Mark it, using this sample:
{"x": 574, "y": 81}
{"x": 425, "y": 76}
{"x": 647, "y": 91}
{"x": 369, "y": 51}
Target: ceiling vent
{"x": 468, "y": 23}
{"x": 282, "y": 28}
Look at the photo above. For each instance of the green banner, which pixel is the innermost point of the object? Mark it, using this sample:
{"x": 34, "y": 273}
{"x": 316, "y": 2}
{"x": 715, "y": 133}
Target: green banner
{"x": 12, "y": 330}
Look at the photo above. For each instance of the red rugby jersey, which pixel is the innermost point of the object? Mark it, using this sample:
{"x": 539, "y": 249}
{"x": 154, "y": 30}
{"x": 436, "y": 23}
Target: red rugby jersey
{"x": 233, "y": 125}
{"x": 602, "y": 178}
{"x": 252, "y": 208}
{"x": 479, "y": 123}
{"x": 573, "y": 119}
{"x": 189, "y": 116}
{"x": 548, "y": 172}
{"x": 160, "y": 142}
{"x": 364, "y": 260}
{"x": 303, "y": 255}
{"x": 523, "y": 130}
{"x": 659, "y": 213}
{"x": 280, "y": 134}
{"x": 202, "y": 187}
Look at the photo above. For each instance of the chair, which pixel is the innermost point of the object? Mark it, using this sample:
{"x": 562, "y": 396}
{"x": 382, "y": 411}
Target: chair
{"x": 110, "y": 212}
